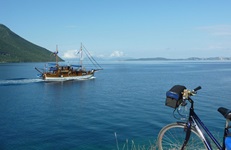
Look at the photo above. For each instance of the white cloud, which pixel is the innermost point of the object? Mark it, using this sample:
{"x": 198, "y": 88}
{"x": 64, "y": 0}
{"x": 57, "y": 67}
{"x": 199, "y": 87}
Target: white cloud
{"x": 117, "y": 54}
{"x": 101, "y": 56}
{"x": 70, "y": 54}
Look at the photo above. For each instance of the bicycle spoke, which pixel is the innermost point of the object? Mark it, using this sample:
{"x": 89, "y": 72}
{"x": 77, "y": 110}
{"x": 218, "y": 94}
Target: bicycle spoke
{"x": 172, "y": 138}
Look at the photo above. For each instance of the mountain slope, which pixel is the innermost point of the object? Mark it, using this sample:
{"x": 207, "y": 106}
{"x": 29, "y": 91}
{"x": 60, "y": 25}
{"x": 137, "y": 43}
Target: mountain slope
{"x": 14, "y": 48}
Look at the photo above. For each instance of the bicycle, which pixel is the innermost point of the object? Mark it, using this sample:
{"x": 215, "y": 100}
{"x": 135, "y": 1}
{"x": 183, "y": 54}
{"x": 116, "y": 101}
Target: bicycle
{"x": 191, "y": 133}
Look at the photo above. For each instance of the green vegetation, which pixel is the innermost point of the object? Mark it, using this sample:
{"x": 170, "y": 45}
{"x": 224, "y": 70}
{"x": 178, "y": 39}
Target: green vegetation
{"x": 14, "y": 48}
{"x": 132, "y": 146}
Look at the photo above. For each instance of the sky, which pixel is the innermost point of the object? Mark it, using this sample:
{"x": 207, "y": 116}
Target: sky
{"x": 124, "y": 28}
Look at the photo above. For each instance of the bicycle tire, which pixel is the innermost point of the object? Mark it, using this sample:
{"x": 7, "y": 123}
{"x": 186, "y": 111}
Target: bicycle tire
{"x": 171, "y": 137}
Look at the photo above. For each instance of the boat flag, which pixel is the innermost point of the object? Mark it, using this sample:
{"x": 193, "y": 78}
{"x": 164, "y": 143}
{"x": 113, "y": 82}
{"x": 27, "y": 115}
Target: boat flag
{"x": 77, "y": 52}
{"x": 55, "y": 53}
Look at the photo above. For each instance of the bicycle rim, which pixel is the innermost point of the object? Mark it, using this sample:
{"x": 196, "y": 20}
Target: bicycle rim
{"x": 172, "y": 136}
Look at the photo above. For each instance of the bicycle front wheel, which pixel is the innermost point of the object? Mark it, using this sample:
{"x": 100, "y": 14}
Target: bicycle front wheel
{"x": 172, "y": 137}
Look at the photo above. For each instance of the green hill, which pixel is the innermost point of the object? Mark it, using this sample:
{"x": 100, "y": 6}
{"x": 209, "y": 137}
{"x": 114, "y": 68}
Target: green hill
{"x": 14, "y": 48}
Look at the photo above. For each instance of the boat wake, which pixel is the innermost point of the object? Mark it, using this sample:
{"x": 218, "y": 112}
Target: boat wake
{"x": 18, "y": 81}
{"x": 91, "y": 78}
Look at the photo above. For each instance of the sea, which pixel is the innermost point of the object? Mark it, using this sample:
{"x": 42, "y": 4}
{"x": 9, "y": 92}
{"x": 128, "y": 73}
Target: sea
{"x": 122, "y": 107}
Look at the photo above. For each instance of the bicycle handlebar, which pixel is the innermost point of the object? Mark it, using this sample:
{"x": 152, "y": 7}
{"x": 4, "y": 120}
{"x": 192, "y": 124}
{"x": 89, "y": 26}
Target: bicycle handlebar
{"x": 197, "y": 88}
{"x": 187, "y": 93}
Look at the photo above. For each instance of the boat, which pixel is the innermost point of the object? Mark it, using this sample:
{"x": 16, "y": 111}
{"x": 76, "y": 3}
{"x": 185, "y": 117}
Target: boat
{"x": 58, "y": 72}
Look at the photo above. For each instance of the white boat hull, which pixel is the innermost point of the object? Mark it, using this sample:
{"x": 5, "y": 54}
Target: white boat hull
{"x": 85, "y": 77}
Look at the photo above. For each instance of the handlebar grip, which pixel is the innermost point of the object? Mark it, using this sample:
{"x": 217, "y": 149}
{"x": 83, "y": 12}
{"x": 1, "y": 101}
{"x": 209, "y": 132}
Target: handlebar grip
{"x": 198, "y": 88}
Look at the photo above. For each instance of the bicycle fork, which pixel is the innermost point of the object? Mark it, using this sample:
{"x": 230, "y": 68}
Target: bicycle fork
{"x": 188, "y": 133}
{"x": 192, "y": 122}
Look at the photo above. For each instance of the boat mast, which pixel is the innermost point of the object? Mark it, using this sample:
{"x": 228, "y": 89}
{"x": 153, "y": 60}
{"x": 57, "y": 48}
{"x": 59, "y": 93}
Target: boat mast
{"x": 81, "y": 56}
{"x": 56, "y": 55}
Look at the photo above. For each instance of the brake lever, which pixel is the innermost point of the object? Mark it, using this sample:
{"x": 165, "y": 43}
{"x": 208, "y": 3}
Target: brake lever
{"x": 184, "y": 103}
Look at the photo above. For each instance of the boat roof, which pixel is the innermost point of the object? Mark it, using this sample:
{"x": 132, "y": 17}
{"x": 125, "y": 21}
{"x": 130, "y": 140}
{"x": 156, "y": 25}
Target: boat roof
{"x": 63, "y": 65}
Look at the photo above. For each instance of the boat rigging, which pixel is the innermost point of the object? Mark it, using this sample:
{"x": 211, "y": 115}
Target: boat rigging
{"x": 59, "y": 72}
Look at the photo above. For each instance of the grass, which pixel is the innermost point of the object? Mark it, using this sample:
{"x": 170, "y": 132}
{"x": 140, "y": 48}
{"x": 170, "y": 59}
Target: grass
{"x": 130, "y": 145}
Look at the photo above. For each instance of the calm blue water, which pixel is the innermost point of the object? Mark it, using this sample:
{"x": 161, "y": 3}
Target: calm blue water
{"x": 126, "y": 98}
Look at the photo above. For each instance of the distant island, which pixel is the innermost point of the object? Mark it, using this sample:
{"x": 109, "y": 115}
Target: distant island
{"x": 14, "y": 48}
{"x": 167, "y": 59}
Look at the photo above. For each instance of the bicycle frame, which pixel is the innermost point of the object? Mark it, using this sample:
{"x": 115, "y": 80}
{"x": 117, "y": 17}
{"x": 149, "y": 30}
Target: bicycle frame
{"x": 195, "y": 121}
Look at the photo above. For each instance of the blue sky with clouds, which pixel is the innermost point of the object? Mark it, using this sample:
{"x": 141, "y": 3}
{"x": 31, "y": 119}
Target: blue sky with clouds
{"x": 129, "y": 28}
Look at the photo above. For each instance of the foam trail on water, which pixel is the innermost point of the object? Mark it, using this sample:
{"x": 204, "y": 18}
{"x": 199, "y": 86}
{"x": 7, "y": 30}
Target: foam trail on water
{"x": 19, "y": 81}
